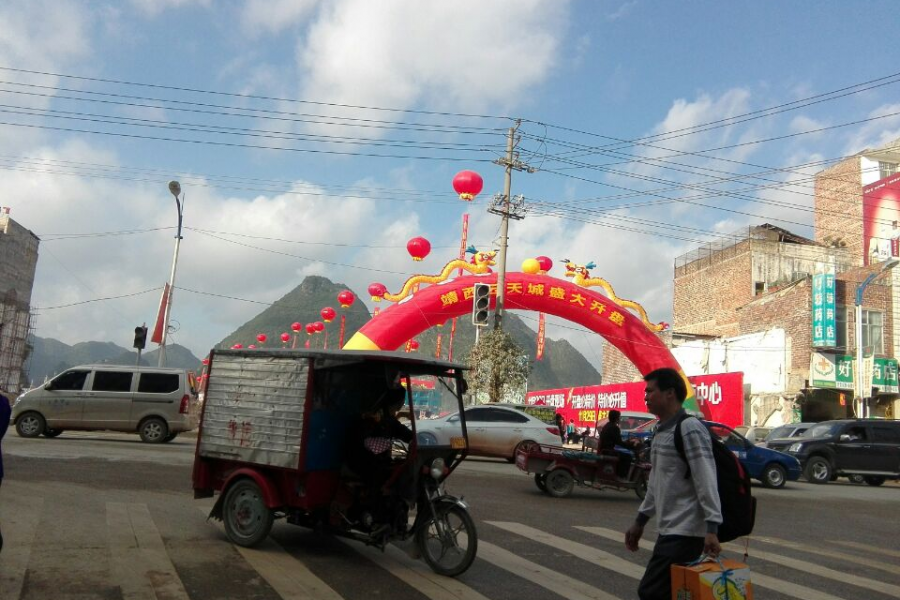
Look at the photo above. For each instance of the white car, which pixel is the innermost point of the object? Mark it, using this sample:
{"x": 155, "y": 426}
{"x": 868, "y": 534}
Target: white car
{"x": 494, "y": 430}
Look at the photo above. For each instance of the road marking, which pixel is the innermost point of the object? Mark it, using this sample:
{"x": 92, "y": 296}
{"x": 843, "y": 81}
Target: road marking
{"x": 415, "y": 573}
{"x": 867, "y": 562}
{"x": 562, "y": 585}
{"x": 19, "y": 526}
{"x": 139, "y": 563}
{"x": 759, "y": 580}
{"x": 288, "y": 576}
{"x": 866, "y": 548}
{"x": 582, "y": 551}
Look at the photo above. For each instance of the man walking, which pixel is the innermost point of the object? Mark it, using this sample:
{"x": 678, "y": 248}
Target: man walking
{"x": 683, "y": 497}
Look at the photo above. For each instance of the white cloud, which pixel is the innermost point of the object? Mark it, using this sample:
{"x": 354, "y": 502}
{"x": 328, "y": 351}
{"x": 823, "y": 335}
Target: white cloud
{"x": 877, "y": 133}
{"x": 153, "y": 8}
{"x": 274, "y": 16}
{"x": 622, "y": 11}
{"x": 449, "y": 56}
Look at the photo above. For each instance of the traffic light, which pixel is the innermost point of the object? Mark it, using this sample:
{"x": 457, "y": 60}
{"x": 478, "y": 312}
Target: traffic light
{"x": 481, "y": 304}
{"x": 140, "y": 337}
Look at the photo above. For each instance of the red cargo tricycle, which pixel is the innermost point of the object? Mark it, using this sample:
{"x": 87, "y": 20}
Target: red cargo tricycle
{"x": 282, "y": 433}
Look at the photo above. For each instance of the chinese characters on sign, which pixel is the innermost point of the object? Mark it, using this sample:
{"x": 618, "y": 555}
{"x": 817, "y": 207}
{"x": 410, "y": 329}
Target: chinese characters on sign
{"x": 824, "y": 307}
{"x": 830, "y": 371}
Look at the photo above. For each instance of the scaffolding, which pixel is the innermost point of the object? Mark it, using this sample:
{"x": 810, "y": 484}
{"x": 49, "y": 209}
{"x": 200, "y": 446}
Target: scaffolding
{"x": 15, "y": 342}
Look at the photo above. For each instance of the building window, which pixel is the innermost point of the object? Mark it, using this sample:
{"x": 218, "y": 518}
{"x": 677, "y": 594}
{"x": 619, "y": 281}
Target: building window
{"x": 886, "y": 169}
{"x": 840, "y": 323}
{"x": 873, "y": 330}
{"x": 759, "y": 287}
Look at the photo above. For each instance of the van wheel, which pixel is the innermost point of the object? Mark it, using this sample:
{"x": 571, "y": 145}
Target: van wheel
{"x": 170, "y": 437}
{"x": 52, "y": 433}
{"x": 874, "y": 480}
{"x": 774, "y": 476}
{"x": 818, "y": 470}
{"x": 30, "y": 425}
{"x": 247, "y": 518}
{"x": 153, "y": 430}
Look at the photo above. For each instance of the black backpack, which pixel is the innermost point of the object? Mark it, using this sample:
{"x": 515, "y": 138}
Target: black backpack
{"x": 738, "y": 505}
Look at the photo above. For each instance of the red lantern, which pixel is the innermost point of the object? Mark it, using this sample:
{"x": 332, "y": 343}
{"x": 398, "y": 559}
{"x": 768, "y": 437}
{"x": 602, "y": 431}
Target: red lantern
{"x": 328, "y": 314}
{"x": 546, "y": 263}
{"x": 418, "y": 248}
{"x": 237, "y": 346}
{"x": 297, "y": 327}
{"x": 261, "y": 338}
{"x": 205, "y": 361}
{"x": 377, "y": 291}
{"x": 413, "y": 345}
{"x": 252, "y": 346}
{"x": 285, "y": 337}
{"x": 320, "y": 326}
{"x": 346, "y": 298}
{"x": 468, "y": 184}
{"x": 310, "y": 328}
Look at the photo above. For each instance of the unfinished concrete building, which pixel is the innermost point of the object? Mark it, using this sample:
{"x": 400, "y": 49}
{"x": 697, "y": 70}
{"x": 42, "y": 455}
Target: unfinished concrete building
{"x": 18, "y": 261}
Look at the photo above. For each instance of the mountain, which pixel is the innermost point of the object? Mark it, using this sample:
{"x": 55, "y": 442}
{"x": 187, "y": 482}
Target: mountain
{"x": 562, "y": 365}
{"x": 49, "y": 357}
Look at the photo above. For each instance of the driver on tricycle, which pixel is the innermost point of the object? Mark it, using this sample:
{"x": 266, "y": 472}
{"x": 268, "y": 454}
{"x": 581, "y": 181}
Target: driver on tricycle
{"x": 611, "y": 441}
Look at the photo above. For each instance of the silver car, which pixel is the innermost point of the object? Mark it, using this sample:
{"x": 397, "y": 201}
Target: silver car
{"x": 494, "y": 430}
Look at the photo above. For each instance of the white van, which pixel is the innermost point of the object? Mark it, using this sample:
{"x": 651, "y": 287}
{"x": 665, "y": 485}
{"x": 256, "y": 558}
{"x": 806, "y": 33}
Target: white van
{"x": 157, "y": 403}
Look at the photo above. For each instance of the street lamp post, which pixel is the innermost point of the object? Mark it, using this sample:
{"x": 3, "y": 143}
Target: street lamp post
{"x": 175, "y": 189}
{"x": 860, "y": 289}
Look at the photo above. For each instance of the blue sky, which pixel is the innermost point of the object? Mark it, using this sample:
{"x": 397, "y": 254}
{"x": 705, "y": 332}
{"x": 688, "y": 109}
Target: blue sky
{"x": 610, "y": 70}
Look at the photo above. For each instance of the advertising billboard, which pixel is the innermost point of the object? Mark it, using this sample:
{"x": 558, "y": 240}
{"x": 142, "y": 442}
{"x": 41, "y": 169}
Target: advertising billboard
{"x": 723, "y": 394}
{"x": 881, "y": 220}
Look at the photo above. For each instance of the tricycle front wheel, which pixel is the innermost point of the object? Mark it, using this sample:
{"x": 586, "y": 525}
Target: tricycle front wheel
{"x": 247, "y": 518}
{"x": 448, "y": 541}
{"x": 540, "y": 480}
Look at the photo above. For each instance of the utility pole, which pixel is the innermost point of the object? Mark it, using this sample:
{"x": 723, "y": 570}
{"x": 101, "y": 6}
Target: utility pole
{"x": 507, "y": 207}
{"x": 175, "y": 190}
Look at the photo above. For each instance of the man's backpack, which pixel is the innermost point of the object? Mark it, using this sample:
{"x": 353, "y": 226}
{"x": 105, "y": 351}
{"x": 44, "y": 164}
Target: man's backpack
{"x": 738, "y": 505}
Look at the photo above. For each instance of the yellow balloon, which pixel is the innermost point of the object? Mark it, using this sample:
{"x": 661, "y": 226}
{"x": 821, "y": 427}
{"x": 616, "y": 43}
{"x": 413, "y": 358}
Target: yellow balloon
{"x": 531, "y": 266}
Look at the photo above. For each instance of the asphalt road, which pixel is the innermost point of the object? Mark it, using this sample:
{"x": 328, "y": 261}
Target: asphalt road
{"x": 103, "y": 516}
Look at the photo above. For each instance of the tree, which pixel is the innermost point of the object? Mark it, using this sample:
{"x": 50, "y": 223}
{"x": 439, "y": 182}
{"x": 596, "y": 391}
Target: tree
{"x": 499, "y": 367}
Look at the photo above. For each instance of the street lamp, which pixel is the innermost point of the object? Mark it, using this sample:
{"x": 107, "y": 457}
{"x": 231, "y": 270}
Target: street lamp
{"x": 175, "y": 189}
{"x": 860, "y": 289}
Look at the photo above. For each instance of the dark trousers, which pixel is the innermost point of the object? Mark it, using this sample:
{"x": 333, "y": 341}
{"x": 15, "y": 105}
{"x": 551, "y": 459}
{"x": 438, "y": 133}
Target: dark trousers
{"x": 669, "y": 550}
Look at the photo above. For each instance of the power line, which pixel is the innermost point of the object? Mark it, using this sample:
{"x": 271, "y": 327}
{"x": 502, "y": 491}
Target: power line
{"x": 156, "y": 289}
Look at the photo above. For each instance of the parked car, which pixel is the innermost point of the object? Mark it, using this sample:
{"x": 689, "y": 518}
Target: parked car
{"x": 754, "y": 434}
{"x": 848, "y": 447}
{"x": 768, "y": 466}
{"x": 157, "y": 403}
{"x": 494, "y": 430}
{"x": 785, "y": 432}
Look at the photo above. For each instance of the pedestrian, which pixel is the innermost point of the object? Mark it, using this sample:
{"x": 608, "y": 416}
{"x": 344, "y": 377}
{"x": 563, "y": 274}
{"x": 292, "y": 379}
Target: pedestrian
{"x": 4, "y": 424}
{"x": 687, "y": 508}
{"x": 570, "y": 430}
{"x": 561, "y": 425}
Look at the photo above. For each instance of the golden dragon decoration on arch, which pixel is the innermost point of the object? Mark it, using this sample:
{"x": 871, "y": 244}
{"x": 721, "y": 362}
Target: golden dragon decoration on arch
{"x": 480, "y": 263}
{"x": 581, "y": 276}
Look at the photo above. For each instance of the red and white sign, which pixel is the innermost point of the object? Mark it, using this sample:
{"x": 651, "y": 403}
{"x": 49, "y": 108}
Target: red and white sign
{"x": 881, "y": 220}
{"x": 721, "y": 397}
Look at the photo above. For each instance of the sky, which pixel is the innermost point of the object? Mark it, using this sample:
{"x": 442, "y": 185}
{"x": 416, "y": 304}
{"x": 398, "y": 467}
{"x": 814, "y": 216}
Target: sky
{"x": 315, "y": 137}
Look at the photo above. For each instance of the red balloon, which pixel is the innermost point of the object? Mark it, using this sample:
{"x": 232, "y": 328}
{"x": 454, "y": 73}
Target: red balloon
{"x": 252, "y": 346}
{"x": 346, "y": 298}
{"x": 320, "y": 326}
{"x": 328, "y": 314}
{"x": 413, "y": 345}
{"x": 297, "y": 327}
{"x": 285, "y": 337}
{"x": 418, "y": 248}
{"x": 310, "y": 328}
{"x": 237, "y": 346}
{"x": 468, "y": 184}
{"x": 546, "y": 263}
{"x": 377, "y": 291}
{"x": 205, "y": 361}
{"x": 261, "y": 338}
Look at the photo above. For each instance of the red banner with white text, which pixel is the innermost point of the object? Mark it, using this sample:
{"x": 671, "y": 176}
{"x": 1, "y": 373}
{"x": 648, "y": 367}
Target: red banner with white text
{"x": 722, "y": 394}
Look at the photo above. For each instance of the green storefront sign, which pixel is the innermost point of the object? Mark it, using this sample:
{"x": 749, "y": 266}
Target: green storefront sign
{"x": 832, "y": 371}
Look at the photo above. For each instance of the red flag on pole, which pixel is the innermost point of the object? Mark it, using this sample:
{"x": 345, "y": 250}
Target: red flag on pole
{"x": 161, "y": 317}
{"x": 437, "y": 349}
{"x": 462, "y": 256}
{"x": 540, "y": 337}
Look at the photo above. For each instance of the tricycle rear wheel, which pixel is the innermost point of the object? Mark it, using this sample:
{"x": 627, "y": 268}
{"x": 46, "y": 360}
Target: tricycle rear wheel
{"x": 540, "y": 480}
{"x": 560, "y": 483}
{"x": 248, "y": 520}
{"x": 448, "y": 541}
{"x": 640, "y": 487}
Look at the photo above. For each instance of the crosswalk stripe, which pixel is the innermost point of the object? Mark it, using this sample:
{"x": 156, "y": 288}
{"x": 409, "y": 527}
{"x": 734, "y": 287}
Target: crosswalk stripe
{"x": 867, "y": 562}
{"x": 867, "y": 548}
{"x": 549, "y": 579}
{"x": 289, "y": 577}
{"x": 139, "y": 562}
{"x": 18, "y": 540}
{"x": 416, "y": 574}
{"x": 759, "y": 580}
{"x": 582, "y": 551}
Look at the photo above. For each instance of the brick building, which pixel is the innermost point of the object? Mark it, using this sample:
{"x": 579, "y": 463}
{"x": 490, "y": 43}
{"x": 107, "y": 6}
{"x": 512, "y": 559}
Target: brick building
{"x": 746, "y": 303}
{"x": 18, "y": 261}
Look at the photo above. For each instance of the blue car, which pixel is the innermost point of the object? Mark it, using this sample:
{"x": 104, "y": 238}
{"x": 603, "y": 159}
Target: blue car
{"x": 770, "y": 467}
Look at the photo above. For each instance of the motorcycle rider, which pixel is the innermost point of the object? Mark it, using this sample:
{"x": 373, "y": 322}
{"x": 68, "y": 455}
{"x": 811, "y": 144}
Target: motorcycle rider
{"x": 611, "y": 439}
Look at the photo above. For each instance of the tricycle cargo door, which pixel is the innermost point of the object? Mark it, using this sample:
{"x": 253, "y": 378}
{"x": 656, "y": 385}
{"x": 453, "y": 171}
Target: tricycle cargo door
{"x": 254, "y": 409}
